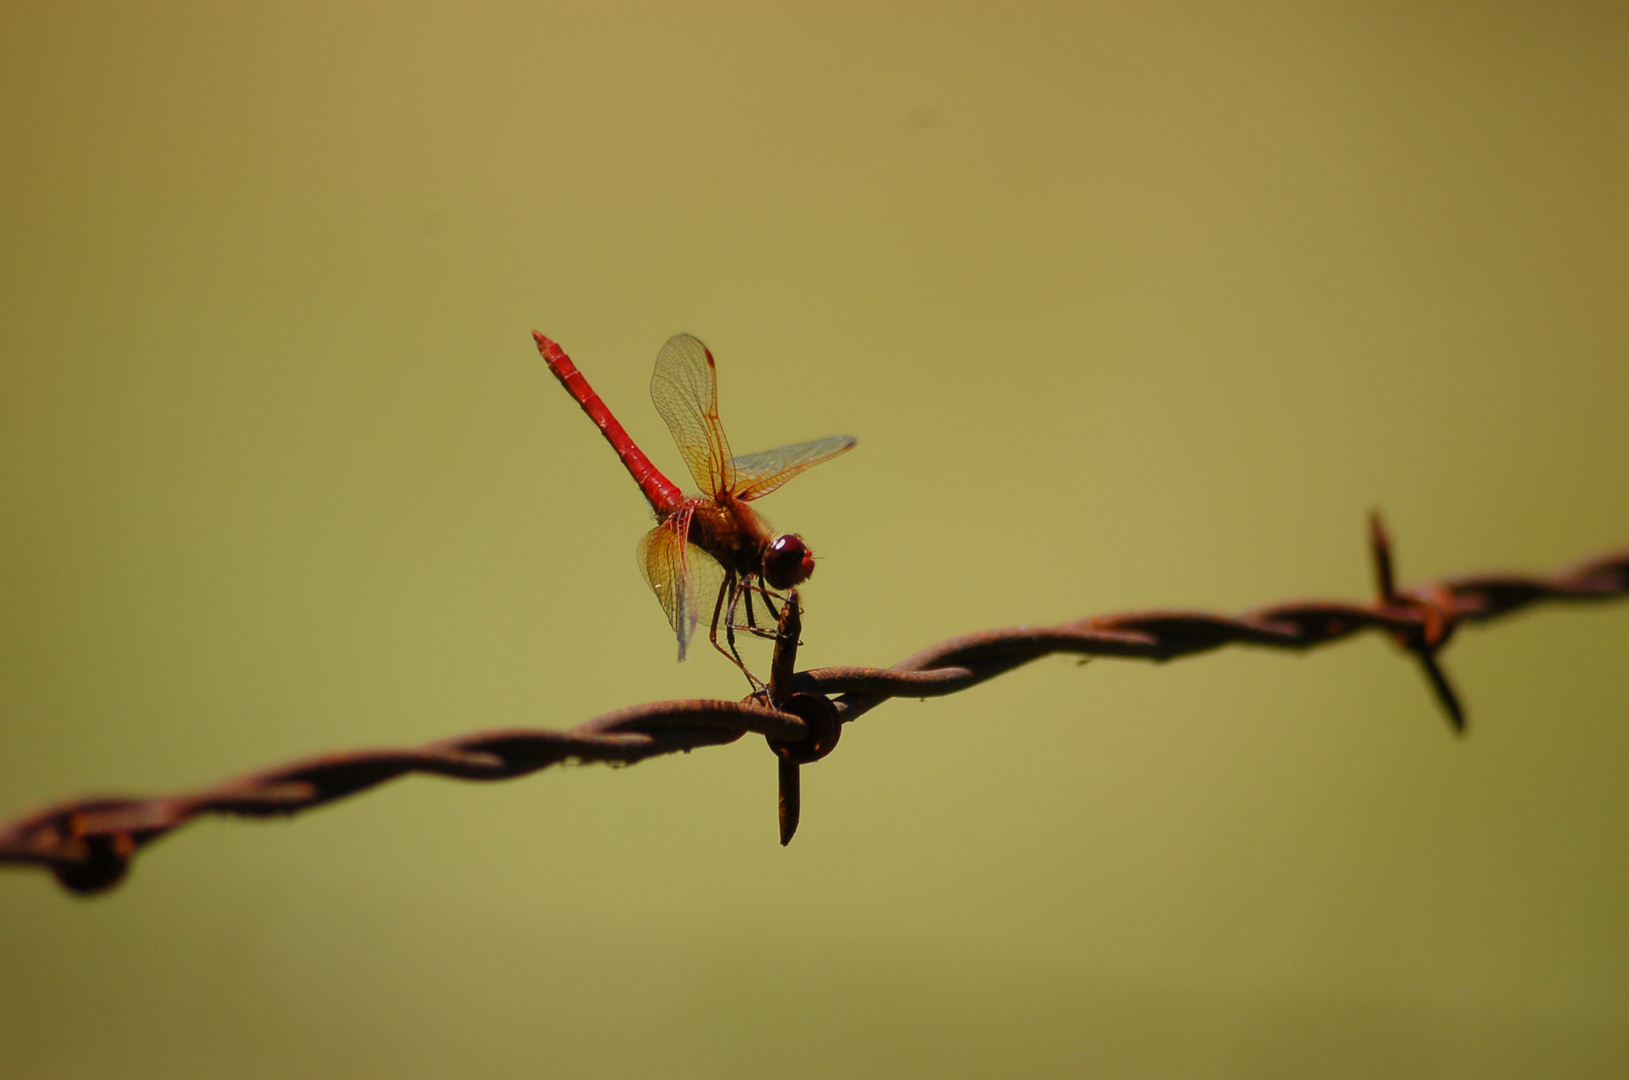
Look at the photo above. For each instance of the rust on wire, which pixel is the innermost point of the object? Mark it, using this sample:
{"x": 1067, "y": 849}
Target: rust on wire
{"x": 89, "y": 844}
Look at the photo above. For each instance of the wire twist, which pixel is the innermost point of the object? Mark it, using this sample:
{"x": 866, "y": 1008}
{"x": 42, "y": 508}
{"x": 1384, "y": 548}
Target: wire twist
{"x": 89, "y": 844}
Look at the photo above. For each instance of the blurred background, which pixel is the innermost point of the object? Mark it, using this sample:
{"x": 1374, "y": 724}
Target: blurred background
{"x": 1128, "y": 305}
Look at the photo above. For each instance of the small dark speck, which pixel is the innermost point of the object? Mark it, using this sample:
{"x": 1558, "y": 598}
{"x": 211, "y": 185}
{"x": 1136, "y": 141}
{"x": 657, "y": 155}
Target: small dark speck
{"x": 923, "y": 116}
{"x": 431, "y": 221}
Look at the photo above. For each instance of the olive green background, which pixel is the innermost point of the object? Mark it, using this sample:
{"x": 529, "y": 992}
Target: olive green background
{"x": 1129, "y": 306}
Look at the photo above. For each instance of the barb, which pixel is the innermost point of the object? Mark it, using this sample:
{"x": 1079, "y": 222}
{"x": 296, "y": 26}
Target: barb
{"x": 89, "y": 844}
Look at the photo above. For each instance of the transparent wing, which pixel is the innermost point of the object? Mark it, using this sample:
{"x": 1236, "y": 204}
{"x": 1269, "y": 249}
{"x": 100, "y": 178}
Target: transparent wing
{"x": 683, "y": 577}
{"x": 685, "y": 390}
{"x": 756, "y": 475}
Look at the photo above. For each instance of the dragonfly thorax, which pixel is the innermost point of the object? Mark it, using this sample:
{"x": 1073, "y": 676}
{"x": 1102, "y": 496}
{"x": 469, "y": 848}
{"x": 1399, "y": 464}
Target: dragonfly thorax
{"x": 731, "y": 532}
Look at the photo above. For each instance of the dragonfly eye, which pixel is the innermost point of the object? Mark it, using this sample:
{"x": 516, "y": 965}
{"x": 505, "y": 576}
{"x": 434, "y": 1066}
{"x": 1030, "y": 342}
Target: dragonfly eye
{"x": 787, "y": 562}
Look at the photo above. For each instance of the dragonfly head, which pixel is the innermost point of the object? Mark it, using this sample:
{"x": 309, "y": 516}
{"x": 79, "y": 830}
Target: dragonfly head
{"x": 787, "y": 561}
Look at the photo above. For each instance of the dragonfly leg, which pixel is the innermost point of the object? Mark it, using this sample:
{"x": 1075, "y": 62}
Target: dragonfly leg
{"x": 769, "y": 601}
{"x": 730, "y": 625}
{"x": 729, "y": 589}
{"x": 752, "y": 623}
{"x": 769, "y": 605}
{"x": 768, "y": 597}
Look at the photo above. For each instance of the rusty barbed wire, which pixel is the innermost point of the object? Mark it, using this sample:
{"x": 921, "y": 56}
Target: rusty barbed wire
{"x": 89, "y": 844}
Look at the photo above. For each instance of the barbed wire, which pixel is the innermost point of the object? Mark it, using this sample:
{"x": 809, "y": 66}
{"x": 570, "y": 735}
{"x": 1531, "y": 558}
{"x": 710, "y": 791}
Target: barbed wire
{"x": 89, "y": 844}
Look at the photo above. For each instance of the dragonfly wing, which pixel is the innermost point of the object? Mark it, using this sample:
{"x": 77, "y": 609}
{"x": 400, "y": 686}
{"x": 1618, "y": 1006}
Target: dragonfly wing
{"x": 685, "y": 390}
{"x": 683, "y": 577}
{"x": 756, "y": 475}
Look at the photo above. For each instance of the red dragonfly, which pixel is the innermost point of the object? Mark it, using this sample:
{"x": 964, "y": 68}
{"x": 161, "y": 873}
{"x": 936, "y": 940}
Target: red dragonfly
{"x": 715, "y": 540}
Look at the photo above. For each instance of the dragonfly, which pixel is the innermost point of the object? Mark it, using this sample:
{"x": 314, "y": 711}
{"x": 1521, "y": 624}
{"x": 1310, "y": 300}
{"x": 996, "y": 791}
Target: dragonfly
{"x": 716, "y": 542}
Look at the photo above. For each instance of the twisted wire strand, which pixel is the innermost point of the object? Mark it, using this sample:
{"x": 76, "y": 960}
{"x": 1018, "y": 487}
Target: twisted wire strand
{"x": 89, "y": 844}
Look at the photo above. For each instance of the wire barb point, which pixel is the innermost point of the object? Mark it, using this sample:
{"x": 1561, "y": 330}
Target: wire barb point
{"x": 1429, "y": 622}
{"x": 1380, "y": 548}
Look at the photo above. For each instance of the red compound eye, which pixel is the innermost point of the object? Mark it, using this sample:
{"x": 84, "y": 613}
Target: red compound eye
{"x": 787, "y": 562}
